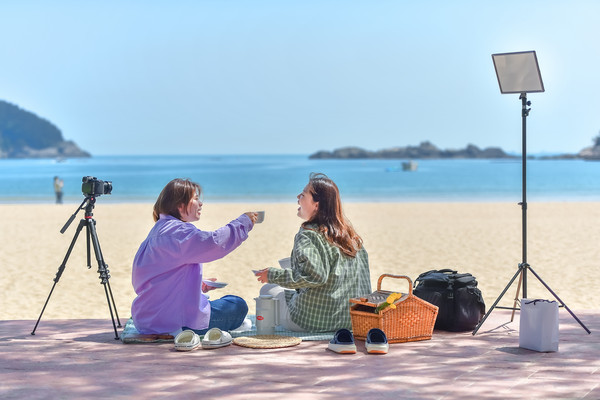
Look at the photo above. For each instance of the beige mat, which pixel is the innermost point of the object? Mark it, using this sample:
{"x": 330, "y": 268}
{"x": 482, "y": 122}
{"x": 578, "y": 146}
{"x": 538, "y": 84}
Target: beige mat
{"x": 267, "y": 341}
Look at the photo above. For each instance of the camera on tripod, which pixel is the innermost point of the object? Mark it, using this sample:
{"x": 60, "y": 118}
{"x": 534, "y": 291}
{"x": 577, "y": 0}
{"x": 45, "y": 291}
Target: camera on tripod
{"x": 92, "y": 186}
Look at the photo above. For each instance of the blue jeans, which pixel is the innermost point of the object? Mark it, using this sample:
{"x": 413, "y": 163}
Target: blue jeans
{"x": 226, "y": 313}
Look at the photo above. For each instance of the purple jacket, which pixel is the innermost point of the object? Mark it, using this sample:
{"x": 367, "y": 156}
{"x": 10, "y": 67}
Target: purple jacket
{"x": 167, "y": 272}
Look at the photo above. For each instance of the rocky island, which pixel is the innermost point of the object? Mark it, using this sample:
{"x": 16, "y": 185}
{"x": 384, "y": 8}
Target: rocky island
{"x": 591, "y": 153}
{"x": 25, "y": 135}
{"x": 425, "y": 150}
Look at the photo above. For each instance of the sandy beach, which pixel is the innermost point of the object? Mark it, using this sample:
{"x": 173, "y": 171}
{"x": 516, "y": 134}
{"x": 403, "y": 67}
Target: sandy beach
{"x": 401, "y": 238}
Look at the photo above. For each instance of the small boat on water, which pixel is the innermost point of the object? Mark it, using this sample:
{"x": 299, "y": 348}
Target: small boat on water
{"x": 409, "y": 165}
{"x": 406, "y": 166}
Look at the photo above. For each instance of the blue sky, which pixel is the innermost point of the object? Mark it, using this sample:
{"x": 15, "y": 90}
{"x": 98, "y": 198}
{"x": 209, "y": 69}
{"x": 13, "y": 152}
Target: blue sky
{"x": 227, "y": 76}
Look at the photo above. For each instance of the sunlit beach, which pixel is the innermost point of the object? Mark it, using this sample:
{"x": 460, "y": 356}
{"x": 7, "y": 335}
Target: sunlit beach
{"x": 460, "y": 136}
{"x": 401, "y": 238}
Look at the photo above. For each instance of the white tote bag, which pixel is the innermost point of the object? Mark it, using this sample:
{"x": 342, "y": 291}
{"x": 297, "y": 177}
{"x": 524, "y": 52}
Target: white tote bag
{"x": 539, "y": 325}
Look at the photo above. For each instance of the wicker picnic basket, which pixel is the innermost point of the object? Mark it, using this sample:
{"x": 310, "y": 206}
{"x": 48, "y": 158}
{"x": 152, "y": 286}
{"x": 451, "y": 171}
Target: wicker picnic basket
{"x": 412, "y": 319}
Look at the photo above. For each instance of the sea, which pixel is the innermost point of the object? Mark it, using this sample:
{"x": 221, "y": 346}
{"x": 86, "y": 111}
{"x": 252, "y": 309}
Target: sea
{"x": 279, "y": 178}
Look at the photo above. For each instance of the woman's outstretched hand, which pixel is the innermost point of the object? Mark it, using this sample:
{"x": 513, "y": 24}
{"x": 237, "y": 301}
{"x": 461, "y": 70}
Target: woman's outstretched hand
{"x": 252, "y": 215}
{"x": 206, "y": 288}
{"x": 262, "y": 275}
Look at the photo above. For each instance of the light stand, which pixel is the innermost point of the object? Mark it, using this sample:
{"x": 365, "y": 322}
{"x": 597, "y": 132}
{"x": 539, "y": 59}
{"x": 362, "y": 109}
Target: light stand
{"x": 90, "y": 224}
{"x": 519, "y": 73}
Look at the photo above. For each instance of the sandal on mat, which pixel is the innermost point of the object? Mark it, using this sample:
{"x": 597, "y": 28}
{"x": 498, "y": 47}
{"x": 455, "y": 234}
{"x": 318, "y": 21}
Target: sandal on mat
{"x": 187, "y": 340}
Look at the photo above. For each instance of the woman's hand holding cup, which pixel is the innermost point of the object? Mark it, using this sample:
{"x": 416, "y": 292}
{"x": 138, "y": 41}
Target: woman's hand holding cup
{"x": 252, "y": 215}
{"x": 262, "y": 275}
{"x": 256, "y": 216}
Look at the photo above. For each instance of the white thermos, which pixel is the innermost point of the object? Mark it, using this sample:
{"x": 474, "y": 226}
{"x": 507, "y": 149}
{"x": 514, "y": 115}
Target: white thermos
{"x": 267, "y": 314}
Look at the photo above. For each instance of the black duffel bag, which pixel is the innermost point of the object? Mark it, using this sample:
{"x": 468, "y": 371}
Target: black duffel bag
{"x": 460, "y": 303}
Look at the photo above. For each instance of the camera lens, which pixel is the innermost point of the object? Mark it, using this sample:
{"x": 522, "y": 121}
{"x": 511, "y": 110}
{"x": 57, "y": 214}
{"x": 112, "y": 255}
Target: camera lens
{"x": 107, "y": 187}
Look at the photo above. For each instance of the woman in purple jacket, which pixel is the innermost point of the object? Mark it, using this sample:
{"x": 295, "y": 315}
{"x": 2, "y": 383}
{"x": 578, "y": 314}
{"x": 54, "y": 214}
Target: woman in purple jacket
{"x": 167, "y": 269}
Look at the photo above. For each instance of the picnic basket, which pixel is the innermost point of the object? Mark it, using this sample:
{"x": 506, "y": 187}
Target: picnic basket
{"x": 413, "y": 319}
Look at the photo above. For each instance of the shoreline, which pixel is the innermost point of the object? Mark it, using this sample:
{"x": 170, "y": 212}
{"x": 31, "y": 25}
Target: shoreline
{"x": 50, "y": 201}
{"x": 406, "y": 238}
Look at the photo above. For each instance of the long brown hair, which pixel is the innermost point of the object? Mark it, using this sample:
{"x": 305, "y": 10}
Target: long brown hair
{"x": 329, "y": 216}
{"x": 174, "y": 194}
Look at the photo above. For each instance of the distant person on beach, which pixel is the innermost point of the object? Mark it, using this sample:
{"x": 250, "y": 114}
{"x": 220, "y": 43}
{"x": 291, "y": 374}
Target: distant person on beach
{"x": 329, "y": 265}
{"x": 167, "y": 269}
{"x": 58, "y": 189}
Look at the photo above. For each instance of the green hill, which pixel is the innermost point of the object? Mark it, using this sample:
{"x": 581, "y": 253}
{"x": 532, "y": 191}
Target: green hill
{"x": 25, "y": 135}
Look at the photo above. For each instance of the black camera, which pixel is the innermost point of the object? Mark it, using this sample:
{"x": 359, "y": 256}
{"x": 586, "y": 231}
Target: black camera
{"x": 95, "y": 187}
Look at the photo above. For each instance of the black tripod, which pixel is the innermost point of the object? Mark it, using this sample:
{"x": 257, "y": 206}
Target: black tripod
{"x": 90, "y": 225}
{"x": 524, "y": 266}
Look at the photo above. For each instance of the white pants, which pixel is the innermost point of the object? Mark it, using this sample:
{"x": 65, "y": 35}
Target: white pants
{"x": 284, "y": 312}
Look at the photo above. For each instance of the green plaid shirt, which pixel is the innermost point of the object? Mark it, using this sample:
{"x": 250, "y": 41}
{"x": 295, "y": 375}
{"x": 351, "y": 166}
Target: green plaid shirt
{"x": 324, "y": 279}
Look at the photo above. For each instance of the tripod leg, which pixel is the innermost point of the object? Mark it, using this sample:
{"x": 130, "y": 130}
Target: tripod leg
{"x": 104, "y": 275}
{"x": 103, "y": 269}
{"x": 559, "y": 300}
{"x": 60, "y": 271}
{"x": 512, "y": 316}
{"x": 87, "y": 244}
{"x": 498, "y": 299}
{"x": 45, "y": 304}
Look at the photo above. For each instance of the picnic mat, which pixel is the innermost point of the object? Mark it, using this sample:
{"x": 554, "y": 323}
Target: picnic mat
{"x": 267, "y": 341}
{"x": 280, "y": 331}
{"x": 131, "y": 335}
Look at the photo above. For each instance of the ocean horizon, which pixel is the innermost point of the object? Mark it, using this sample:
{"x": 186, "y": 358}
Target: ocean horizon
{"x": 279, "y": 178}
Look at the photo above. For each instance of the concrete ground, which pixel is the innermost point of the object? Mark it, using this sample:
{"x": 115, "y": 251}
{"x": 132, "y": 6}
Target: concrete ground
{"x": 80, "y": 359}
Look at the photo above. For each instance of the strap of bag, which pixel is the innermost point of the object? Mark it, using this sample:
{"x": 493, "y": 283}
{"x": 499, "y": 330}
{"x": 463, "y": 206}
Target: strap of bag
{"x": 433, "y": 278}
{"x": 447, "y": 270}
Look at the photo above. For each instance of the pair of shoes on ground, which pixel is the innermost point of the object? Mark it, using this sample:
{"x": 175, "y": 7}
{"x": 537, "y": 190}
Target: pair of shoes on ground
{"x": 189, "y": 340}
{"x": 343, "y": 342}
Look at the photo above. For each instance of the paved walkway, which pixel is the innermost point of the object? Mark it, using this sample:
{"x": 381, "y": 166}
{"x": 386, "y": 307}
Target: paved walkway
{"x": 80, "y": 359}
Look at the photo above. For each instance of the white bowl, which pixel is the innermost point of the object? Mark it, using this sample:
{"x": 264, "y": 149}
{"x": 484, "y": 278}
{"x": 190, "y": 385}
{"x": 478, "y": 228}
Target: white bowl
{"x": 215, "y": 284}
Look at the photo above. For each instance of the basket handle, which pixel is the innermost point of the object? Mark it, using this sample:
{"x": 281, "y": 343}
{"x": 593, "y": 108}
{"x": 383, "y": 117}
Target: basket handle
{"x": 410, "y": 283}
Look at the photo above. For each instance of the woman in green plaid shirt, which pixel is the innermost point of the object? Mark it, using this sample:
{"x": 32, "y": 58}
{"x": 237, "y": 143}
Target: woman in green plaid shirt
{"x": 329, "y": 264}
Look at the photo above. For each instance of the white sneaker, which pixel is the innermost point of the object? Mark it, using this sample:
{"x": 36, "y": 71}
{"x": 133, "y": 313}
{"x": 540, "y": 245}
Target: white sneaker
{"x": 245, "y": 326}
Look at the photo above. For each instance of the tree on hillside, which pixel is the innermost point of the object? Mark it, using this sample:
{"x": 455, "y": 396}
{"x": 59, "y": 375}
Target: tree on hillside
{"x": 19, "y": 128}
{"x": 25, "y": 135}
